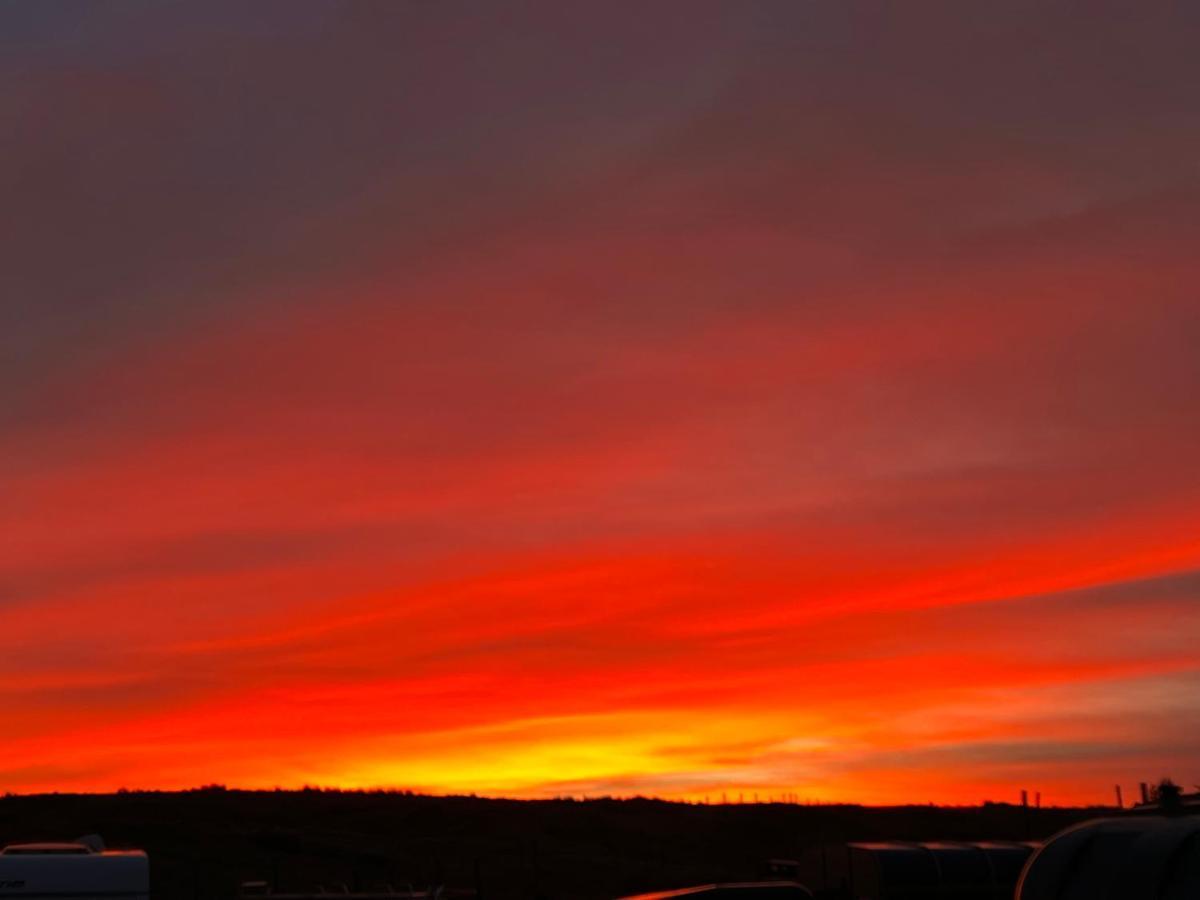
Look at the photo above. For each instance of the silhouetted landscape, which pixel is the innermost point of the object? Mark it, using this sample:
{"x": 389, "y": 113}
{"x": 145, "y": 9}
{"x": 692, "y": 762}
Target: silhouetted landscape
{"x": 206, "y": 843}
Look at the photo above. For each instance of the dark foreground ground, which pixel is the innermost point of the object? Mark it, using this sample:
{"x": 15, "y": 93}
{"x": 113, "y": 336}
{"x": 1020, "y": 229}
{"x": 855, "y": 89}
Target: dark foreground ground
{"x": 203, "y": 844}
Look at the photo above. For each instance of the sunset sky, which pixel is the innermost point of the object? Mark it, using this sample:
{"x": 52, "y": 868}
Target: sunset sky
{"x": 550, "y": 398}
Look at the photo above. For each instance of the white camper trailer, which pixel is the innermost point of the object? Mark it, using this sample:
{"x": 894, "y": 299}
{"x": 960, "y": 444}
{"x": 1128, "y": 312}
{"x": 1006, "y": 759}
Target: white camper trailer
{"x": 82, "y": 870}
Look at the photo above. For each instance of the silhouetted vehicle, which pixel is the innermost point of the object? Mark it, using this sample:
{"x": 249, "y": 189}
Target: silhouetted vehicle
{"x": 1131, "y": 858}
{"x": 260, "y": 889}
{"x": 79, "y": 870}
{"x": 747, "y": 890}
{"x": 899, "y": 870}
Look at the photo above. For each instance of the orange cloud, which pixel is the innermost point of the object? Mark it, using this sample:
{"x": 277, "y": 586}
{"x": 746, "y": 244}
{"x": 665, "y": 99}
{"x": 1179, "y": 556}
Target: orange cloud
{"x": 745, "y": 416}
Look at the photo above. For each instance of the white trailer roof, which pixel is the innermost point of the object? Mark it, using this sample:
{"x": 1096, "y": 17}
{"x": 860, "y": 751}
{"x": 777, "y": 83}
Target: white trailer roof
{"x": 72, "y": 872}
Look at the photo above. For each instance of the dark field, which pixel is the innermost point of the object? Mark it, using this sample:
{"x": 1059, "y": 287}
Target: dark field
{"x": 203, "y": 844}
